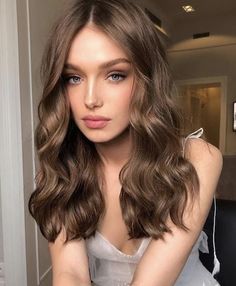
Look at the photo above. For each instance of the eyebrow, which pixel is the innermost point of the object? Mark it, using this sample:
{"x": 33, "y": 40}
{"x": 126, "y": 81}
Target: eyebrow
{"x": 102, "y": 66}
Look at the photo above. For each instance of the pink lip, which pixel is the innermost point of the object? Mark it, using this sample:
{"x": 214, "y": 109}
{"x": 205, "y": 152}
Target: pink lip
{"x": 96, "y": 122}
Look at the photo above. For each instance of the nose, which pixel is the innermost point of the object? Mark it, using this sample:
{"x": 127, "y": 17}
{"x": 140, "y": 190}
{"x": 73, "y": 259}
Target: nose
{"x": 92, "y": 99}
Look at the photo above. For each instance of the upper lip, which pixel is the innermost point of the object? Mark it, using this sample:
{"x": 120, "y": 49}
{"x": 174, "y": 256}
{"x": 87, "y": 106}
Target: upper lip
{"x": 96, "y": 118}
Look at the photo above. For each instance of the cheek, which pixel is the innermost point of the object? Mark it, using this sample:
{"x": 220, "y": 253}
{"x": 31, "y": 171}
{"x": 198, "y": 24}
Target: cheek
{"x": 120, "y": 96}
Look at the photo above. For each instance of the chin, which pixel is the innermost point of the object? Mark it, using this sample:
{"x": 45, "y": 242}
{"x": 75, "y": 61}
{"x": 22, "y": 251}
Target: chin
{"x": 99, "y": 139}
{"x": 106, "y": 138}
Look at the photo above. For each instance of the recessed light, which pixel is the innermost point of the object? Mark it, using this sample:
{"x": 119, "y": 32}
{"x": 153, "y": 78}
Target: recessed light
{"x": 188, "y": 8}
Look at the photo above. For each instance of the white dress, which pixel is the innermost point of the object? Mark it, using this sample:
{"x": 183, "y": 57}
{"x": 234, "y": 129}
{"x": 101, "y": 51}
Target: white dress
{"x": 110, "y": 267}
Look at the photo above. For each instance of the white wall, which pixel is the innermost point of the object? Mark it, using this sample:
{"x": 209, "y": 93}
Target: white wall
{"x": 1, "y": 243}
{"x": 11, "y": 171}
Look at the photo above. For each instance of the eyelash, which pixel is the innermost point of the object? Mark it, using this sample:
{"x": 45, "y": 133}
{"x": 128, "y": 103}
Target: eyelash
{"x": 76, "y": 79}
{"x": 117, "y": 74}
{"x": 69, "y": 78}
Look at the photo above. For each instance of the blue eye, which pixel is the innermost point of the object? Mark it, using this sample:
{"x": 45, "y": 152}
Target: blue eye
{"x": 75, "y": 79}
{"x": 117, "y": 77}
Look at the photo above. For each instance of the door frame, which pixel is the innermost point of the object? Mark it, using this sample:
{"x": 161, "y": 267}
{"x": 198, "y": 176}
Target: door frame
{"x": 222, "y": 80}
{"x": 21, "y": 245}
{"x": 11, "y": 163}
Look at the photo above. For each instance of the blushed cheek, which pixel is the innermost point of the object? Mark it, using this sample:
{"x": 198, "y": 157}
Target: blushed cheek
{"x": 124, "y": 95}
{"x": 126, "y": 99}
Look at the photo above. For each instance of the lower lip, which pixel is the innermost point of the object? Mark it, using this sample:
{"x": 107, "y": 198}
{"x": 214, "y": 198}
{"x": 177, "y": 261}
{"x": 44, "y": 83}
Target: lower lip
{"x": 96, "y": 124}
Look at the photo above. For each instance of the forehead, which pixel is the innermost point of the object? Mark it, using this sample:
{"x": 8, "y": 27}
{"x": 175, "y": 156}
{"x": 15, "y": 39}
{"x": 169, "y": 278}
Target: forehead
{"x": 91, "y": 44}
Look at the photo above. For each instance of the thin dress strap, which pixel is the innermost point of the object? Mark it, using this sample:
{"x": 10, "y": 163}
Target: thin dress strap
{"x": 197, "y": 134}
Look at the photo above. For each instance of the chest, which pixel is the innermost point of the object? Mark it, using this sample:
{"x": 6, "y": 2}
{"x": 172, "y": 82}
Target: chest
{"x": 112, "y": 226}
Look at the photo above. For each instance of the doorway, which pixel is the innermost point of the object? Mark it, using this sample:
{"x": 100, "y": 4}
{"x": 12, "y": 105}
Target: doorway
{"x": 201, "y": 108}
{"x": 203, "y": 104}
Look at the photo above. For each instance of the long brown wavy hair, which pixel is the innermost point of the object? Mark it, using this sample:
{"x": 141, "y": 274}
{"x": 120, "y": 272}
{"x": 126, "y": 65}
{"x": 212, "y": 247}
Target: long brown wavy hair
{"x": 156, "y": 181}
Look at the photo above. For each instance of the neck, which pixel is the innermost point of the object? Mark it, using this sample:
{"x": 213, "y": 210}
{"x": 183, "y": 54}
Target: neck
{"x": 115, "y": 153}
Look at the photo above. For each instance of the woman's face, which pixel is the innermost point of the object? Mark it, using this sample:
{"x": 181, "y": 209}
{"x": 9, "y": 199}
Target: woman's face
{"x": 99, "y": 80}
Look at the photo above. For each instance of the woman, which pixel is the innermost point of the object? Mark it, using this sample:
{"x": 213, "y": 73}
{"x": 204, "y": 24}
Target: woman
{"x": 121, "y": 196}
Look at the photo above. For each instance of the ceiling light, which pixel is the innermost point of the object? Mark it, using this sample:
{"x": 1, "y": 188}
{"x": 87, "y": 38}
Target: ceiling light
{"x": 188, "y": 9}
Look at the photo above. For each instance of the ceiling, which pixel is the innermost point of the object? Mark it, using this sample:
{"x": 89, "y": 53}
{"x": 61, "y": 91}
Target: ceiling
{"x": 216, "y": 17}
{"x": 215, "y": 9}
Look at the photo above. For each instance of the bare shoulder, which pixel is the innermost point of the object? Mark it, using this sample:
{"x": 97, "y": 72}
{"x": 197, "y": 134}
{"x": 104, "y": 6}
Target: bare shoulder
{"x": 207, "y": 160}
{"x": 200, "y": 152}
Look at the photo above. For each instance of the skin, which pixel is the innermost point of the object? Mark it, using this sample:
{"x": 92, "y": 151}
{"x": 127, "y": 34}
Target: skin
{"x": 96, "y": 85}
